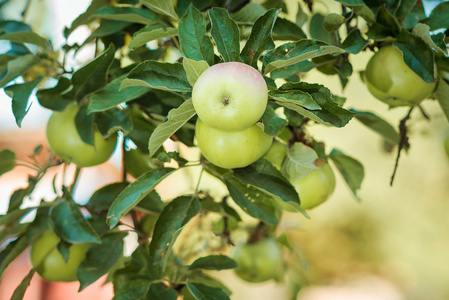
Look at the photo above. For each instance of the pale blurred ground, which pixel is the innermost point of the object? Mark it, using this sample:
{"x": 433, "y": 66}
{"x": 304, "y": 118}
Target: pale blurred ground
{"x": 394, "y": 245}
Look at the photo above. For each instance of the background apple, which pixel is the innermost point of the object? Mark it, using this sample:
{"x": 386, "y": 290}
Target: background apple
{"x": 230, "y": 96}
{"x": 259, "y": 261}
{"x": 232, "y": 149}
{"x": 276, "y": 154}
{"x": 50, "y": 264}
{"x": 315, "y": 187}
{"x": 65, "y": 141}
{"x": 390, "y": 80}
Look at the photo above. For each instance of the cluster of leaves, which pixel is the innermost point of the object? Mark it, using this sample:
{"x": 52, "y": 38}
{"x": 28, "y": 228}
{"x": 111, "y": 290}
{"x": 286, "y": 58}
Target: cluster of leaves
{"x": 132, "y": 87}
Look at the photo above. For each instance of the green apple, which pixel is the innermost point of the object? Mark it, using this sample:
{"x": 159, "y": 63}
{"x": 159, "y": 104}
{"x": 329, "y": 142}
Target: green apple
{"x": 50, "y": 264}
{"x": 446, "y": 145}
{"x": 230, "y": 96}
{"x": 259, "y": 261}
{"x": 65, "y": 141}
{"x": 276, "y": 154}
{"x": 232, "y": 149}
{"x": 316, "y": 187}
{"x": 390, "y": 80}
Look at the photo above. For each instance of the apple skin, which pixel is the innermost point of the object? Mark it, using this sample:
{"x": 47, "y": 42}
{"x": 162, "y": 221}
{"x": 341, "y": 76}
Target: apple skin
{"x": 231, "y": 149}
{"x": 53, "y": 266}
{"x": 258, "y": 262}
{"x": 276, "y": 154}
{"x": 390, "y": 80}
{"x": 65, "y": 141}
{"x": 316, "y": 187}
{"x": 446, "y": 145}
{"x": 230, "y": 96}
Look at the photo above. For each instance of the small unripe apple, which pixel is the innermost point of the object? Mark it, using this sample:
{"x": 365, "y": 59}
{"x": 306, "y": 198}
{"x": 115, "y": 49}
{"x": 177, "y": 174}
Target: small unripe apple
{"x": 232, "y": 149}
{"x": 50, "y": 264}
{"x": 65, "y": 141}
{"x": 230, "y": 96}
{"x": 259, "y": 261}
{"x": 276, "y": 154}
{"x": 316, "y": 187}
{"x": 390, "y": 80}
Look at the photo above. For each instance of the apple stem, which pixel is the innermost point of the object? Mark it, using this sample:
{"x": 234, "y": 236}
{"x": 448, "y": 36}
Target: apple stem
{"x": 259, "y": 232}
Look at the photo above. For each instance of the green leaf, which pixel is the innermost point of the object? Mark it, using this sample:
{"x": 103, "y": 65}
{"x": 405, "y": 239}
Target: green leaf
{"x": 16, "y": 67}
{"x": 134, "y": 193}
{"x": 292, "y": 53}
{"x": 150, "y": 33}
{"x": 161, "y": 291}
{"x": 25, "y": 37}
{"x": 292, "y": 70}
{"x": 20, "y": 94}
{"x": 195, "y": 43}
{"x": 70, "y": 224}
{"x": 100, "y": 259}
{"x": 299, "y": 161}
{"x": 249, "y": 13}
{"x": 158, "y": 75}
{"x": 13, "y": 216}
{"x": 204, "y": 292}
{"x": 286, "y": 30}
{"x": 213, "y": 262}
{"x": 134, "y": 289}
{"x": 128, "y": 14}
{"x": 162, "y": 7}
{"x": 316, "y": 29}
{"x": 260, "y": 39}
{"x": 272, "y": 124}
{"x": 169, "y": 225}
{"x": 330, "y": 114}
{"x": 19, "y": 292}
{"x": 194, "y": 69}
{"x": 360, "y": 8}
{"x": 225, "y": 33}
{"x": 11, "y": 252}
{"x": 423, "y": 31}
{"x": 176, "y": 118}
{"x": 253, "y": 201}
{"x": 94, "y": 75}
{"x": 55, "y": 98}
{"x": 351, "y": 170}
{"x": 85, "y": 125}
{"x": 354, "y": 42}
{"x": 404, "y": 9}
{"x": 86, "y": 16}
{"x": 386, "y": 26}
{"x": 293, "y": 97}
{"x": 438, "y": 17}
{"x": 379, "y": 125}
{"x": 442, "y": 95}
{"x": 7, "y": 161}
{"x": 102, "y": 199}
{"x": 417, "y": 55}
{"x": 111, "y": 95}
{"x": 263, "y": 175}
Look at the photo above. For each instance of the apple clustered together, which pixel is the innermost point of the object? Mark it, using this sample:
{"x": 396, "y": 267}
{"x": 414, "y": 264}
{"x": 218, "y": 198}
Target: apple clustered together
{"x": 229, "y": 99}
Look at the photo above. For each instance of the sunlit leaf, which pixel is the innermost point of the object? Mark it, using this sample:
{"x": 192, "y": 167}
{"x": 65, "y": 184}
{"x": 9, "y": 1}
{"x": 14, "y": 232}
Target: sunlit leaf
{"x": 176, "y": 118}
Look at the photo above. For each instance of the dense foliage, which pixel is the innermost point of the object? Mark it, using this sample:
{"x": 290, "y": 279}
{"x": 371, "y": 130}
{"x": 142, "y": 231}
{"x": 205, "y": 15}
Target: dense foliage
{"x": 134, "y": 88}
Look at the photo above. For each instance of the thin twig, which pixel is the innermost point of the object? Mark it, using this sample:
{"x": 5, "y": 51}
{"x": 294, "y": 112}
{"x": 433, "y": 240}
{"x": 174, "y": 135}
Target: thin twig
{"x": 403, "y": 142}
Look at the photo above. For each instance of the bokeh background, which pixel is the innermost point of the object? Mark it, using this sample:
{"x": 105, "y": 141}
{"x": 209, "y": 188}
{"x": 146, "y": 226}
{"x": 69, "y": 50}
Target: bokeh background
{"x": 392, "y": 245}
